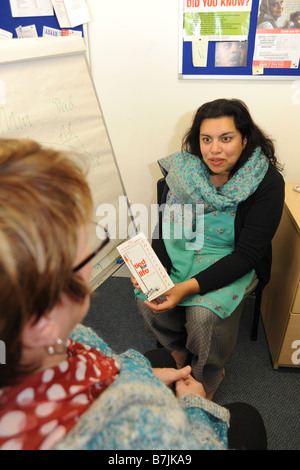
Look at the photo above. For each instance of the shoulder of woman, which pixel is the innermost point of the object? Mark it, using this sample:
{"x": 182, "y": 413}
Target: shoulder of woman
{"x": 273, "y": 177}
{"x": 85, "y": 335}
{"x": 270, "y": 190}
{"x": 265, "y": 25}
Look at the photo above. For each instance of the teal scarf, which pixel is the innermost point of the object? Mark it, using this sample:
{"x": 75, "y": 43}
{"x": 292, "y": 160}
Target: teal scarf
{"x": 188, "y": 180}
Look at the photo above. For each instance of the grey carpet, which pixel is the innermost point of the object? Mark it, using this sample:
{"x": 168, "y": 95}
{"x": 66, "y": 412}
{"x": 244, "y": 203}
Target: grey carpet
{"x": 249, "y": 375}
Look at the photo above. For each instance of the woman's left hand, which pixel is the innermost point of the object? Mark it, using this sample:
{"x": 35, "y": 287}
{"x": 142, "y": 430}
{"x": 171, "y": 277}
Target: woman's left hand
{"x": 169, "y": 375}
{"x": 173, "y": 296}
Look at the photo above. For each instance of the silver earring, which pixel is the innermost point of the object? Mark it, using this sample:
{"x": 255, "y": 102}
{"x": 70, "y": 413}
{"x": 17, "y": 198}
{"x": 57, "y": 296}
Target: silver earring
{"x": 58, "y": 348}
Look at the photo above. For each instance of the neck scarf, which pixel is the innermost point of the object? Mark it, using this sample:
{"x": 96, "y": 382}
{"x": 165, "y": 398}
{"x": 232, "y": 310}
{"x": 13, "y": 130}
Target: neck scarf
{"x": 38, "y": 412}
{"x": 188, "y": 179}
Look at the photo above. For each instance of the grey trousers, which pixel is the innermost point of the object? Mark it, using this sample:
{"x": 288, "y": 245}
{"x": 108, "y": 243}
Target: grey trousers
{"x": 209, "y": 339}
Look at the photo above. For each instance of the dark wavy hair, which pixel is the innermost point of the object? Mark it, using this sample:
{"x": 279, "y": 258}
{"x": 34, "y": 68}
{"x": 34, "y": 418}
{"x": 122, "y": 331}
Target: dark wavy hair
{"x": 243, "y": 122}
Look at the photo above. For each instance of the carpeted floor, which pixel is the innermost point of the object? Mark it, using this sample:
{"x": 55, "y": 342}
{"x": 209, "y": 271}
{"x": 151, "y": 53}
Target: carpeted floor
{"x": 249, "y": 375}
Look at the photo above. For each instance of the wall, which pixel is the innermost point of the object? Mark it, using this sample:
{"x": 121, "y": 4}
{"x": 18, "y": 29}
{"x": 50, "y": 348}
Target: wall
{"x": 134, "y": 62}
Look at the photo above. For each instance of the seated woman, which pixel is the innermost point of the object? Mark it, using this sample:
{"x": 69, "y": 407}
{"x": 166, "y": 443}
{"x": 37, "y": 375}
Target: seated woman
{"x": 62, "y": 387}
{"x": 227, "y": 168}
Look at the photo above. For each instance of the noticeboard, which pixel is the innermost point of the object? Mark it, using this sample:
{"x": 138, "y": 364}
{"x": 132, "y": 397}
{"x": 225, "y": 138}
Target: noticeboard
{"x": 239, "y": 39}
{"x": 9, "y": 23}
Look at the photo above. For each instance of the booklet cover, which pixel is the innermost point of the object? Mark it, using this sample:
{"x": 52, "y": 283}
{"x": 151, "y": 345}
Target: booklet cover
{"x": 145, "y": 266}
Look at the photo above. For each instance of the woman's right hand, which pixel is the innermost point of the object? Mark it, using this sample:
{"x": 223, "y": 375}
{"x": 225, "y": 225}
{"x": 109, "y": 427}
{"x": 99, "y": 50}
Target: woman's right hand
{"x": 135, "y": 283}
{"x": 189, "y": 385}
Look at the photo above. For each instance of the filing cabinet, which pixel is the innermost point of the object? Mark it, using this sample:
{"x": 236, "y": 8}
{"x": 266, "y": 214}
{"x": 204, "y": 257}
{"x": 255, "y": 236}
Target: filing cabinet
{"x": 280, "y": 307}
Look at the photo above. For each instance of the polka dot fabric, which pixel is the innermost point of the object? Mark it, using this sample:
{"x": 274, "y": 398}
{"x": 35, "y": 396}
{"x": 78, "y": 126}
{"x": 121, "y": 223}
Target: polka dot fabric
{"x": 41, "y": 410}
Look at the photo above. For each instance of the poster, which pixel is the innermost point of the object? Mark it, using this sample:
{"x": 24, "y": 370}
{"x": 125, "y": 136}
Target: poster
{"x": 277, "y": 41}
{"x": 217, "y": 20}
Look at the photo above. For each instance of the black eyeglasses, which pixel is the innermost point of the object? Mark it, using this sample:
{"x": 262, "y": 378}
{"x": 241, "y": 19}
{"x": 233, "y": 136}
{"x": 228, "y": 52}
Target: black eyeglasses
{"x": 105, "y": 239}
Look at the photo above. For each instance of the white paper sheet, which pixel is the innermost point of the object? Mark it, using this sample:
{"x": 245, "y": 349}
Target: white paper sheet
{"x": 277, "y": 49}
{"x": 31, "y": 8}
{"x": 71, "y": 13}
{"x": 27, "y": 31}
{"x": 5, "y": 34}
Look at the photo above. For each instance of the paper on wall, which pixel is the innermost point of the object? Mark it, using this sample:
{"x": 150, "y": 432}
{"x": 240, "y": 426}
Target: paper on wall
{"x": 277, "y": 48}
{"x": 145, "y": 266}
{"x": 71, "y": 32}
{"x": 5, "y": 34}
{"x": 217, "y": 20}
{"x": 52, "y": 32}
{"x": 71, "y": 13}
{"x": 20, "y": 8}
{"x": 199, "y": 51}
{"x": 27, "y": 31}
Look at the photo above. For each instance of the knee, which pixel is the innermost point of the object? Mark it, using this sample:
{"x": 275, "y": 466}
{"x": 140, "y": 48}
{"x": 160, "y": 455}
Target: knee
{"x": 246, "y": 428}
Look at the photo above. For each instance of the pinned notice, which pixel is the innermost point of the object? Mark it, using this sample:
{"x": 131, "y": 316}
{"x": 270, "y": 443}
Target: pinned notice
{"x": 21, "y": 8}
{"x": 5, "y": 34}
{"x": 145, "y": 266}
{"x": 200, "y": 50}
{"x": 71, "y": 13}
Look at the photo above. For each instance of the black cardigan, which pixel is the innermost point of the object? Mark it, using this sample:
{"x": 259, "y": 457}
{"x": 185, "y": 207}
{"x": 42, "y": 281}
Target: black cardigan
{"x": 256, "y": 222}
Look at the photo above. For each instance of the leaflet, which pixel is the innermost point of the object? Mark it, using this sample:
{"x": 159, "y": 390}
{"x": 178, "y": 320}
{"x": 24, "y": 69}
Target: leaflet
{"x": 21, "y": 8}
{"x": 145, "y": 266}
{"x": 71, "y": 13}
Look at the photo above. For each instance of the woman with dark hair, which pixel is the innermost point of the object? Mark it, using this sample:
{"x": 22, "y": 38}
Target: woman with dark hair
{"x": 243, "y": 122}
{"x": 225, "y": 191}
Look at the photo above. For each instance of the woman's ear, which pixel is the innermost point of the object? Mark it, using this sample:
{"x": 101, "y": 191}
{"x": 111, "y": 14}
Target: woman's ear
{"x": 39, "y": 334}
{"x": 244, "y": 142}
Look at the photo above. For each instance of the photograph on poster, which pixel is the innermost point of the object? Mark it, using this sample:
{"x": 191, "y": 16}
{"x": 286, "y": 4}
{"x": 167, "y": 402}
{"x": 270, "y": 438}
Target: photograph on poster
{"x": 231, "y": 54}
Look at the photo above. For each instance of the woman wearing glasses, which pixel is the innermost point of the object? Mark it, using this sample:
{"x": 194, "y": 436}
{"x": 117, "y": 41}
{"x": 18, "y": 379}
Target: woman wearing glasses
{"x": 61, "y": 386}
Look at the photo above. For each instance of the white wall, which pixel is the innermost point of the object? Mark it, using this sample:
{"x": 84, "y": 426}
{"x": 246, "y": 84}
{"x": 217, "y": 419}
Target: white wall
{"x": 147, "y": 108}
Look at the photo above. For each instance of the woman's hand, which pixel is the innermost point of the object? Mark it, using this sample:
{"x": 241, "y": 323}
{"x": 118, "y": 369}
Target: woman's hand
{"x": 135, "y": 283}
{"x": 174, "y": 296}
{"x": 169, "y": 375}
{"x": 189, "y": 385}
{"x": 184, "y": 382}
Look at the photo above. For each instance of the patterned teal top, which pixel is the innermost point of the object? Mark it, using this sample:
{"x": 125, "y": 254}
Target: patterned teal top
{"x": 217, "y": 241}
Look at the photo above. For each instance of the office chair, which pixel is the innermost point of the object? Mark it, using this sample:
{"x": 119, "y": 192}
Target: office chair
{"x": 256, "y": 293}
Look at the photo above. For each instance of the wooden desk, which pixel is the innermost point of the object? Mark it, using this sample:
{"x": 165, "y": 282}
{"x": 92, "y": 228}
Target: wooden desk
{"x": 280, "y": 306}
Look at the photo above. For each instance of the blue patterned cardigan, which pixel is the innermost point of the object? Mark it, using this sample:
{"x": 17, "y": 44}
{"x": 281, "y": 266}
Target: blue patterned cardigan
{"x": 138, "y": 412}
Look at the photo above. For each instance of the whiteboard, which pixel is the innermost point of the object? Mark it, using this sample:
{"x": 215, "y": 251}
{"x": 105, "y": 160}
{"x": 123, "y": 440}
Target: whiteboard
{"x": 47, "y": 94}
